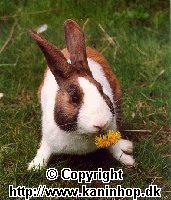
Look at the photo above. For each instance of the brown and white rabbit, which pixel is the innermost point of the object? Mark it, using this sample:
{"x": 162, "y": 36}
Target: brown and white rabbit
{"x": 79, "y": 98}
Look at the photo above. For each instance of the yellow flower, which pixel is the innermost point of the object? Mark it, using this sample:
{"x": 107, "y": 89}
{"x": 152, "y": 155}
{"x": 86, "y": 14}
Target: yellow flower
{"x": 108, "y": 139}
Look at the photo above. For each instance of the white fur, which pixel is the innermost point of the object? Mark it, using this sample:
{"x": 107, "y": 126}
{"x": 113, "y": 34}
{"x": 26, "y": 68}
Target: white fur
{"x": 118, "y": 152}
{"x": 94, "y": 112}
{"x": 93, "y": 105}
{"x": 100, "y": 77}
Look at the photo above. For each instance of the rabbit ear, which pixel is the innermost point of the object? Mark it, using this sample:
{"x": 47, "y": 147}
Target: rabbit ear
{"x": 55, "y": 59}
{"x": 76, "y": 46}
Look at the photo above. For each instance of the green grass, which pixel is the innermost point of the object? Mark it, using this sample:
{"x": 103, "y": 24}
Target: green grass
{"x": 140, "y": 56}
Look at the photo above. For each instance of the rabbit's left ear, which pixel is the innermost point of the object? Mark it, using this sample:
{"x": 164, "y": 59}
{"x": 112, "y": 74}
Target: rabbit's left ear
{"x": 56, "y": 61}
{"x": 74, "y": 38}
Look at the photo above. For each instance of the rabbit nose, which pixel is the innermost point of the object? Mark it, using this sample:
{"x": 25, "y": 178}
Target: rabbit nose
{"x": 101, "y": 127}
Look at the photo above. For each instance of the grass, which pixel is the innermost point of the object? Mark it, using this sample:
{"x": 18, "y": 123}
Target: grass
{"x": 140, "y": 56}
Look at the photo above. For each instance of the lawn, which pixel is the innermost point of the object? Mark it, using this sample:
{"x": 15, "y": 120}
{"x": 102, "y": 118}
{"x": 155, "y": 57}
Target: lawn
{"x": 134, "y": 38}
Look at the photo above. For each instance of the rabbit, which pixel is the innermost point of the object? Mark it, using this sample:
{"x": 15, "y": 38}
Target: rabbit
{"x": 79, "y": 97}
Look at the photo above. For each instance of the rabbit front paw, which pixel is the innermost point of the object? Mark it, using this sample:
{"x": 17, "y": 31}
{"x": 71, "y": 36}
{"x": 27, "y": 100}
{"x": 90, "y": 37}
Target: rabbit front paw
{"x": 121, "y": 151}
{"x": 127, "y": 160}
{"x": 37, "y": 164}
{"x": 126, "y": 146}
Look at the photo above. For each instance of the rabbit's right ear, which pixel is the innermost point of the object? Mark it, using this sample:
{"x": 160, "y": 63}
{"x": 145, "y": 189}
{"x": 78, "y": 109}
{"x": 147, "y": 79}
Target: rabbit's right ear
{"x": 56, "y": 61}
{"x": 74, "y": 37}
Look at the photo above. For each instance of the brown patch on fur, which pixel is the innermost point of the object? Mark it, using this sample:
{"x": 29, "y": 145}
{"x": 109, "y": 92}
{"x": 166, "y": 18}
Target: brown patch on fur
{"x": 68, "y": 102}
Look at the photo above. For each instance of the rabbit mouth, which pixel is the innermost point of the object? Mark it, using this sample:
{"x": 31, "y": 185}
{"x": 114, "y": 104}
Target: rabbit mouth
{"x": 99, "y": 133}
{"x": 101, "y": 129}
{"x": 96, "y": 133}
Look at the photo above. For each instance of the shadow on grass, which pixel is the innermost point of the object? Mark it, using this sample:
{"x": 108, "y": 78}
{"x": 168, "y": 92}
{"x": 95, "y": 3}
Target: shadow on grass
{"x": 92, "y": 161}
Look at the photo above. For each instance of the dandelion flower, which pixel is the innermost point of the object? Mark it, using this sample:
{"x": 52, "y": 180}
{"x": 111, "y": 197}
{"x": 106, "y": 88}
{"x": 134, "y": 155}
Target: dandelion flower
{"x": 108, "y": 139}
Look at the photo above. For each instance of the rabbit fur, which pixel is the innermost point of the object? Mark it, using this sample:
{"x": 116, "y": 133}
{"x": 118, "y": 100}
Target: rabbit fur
{"x": 79, "y": 97}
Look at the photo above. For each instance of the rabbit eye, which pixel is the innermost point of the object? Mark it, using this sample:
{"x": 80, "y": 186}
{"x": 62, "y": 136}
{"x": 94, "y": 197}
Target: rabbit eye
{"x": 74, "y": 94}
{"x": 75, "y": 99}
